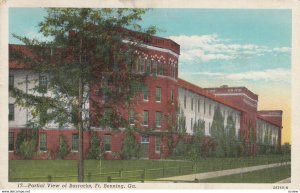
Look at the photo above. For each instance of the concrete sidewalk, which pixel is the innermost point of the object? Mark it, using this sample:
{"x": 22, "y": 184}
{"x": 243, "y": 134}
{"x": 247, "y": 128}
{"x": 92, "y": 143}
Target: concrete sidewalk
{"x": 207, "y": 175}
{"x": 287, "y": 180}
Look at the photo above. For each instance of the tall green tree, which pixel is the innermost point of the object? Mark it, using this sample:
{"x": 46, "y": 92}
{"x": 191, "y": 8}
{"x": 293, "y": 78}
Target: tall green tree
{"x": 195, "y": 150}
{"x": 217, "y": 132}
{"x": 85, "y": 53}
{"x": 131, "y": 147}
{"x": 231, "y": 139}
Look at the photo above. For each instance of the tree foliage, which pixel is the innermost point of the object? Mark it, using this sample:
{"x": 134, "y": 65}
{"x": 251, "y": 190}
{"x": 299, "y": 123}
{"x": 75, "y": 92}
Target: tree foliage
{"x": 63, "y": 148}
{"x": 88, "y": 59}
{"x": 181, "y": 121}
{"x": 96, "y": 150}
{"x": 131, "y": 148}
{"x": 231, "y": 139}
{"x": 218, "y": 133}
{"x": 286, "y": 149}
{"x": 27, "y": 148}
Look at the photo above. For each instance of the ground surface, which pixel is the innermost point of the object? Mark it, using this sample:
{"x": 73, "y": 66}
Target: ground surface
{"x": 124, "y": 170}
{"x": 271, "y": 175}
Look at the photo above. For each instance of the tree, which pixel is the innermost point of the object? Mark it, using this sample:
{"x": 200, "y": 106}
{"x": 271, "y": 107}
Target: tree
{"x": 130, "y": 146}
{"x": 63, "y": 148}
{"x": 252, "y": 139}
{"x": 86, "y": 54}
{"x": 181, "y": 121}
{"x": 232, "y": 143}
{"x": 195, "y": 151}
{"x": 217, "y": 132}
{"x": 286, "y": 149}
{"x": 96, "y": 149}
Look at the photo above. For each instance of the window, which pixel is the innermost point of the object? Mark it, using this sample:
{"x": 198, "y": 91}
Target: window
{"x": 154, "y": 67}
{"x": 146, "y": 93}
{"x": 157, "y": 144}
{"x": 204, "y": 108}
{"x": 171, "y": 69}
{"x": 192, "y": 103}
{"x": 131, "y": 117}
{"x": 158, "y": 116}
{"x": 175, "y": 70}
{"x": 198, "y": 106}
{"x": 192, "y": 124}
{"x": 209, "y": 109}
{"x": 11, "y": 141}
{"x": 43, "y": 83}
{"x": 145, "y": 139}
{"x": 209, "y": 127}
{"x": 11, "y": 112}
{"x": 142, "y": 65}
{"x": 136, "y": 64}
{"x": 43, "y": 116}
{"x": 107, "y": 142}
{"x": 11, "y": 82}
{"x": 43, "y": 142}
{"x": 74, "y": 142}
{"x": 158, "y": 94}
{"x": 184, "y": 101}
{"x": 172, "y": 95}
{"x": 148, "y": 66}
{"x": 146, "y": 116}
{"x": 161, "y": 68}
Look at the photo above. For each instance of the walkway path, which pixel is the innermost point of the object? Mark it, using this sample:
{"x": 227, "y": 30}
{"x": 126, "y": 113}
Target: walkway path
{"x": 288, "y": 180}
{"x": 206, "y": 175}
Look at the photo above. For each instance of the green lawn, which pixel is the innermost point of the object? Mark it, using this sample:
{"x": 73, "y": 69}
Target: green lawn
{"x": 124, "y": 170}
{"x": 271, "y": 175}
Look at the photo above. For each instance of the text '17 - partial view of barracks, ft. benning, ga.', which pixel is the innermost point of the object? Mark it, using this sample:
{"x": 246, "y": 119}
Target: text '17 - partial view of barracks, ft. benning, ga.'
{"x": 164, "y": 95}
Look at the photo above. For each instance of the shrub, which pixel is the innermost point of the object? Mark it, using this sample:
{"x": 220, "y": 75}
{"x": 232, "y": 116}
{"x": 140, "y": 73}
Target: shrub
{"x": 63, "y": 148}
{"x": 181, "y": 148}
{"x": 95, "y": 149}
{"x": 27, "y": 149}
{"x": 130, "y": 147}
{"x": 21, "y": 137}
{"x": 286, "y": 149}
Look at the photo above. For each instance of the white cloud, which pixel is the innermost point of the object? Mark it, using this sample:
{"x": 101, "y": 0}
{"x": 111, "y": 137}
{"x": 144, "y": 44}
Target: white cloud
{"x": 277, "y": 74}
{"x": 210, "y": 47}
{"x": 38, "y": 36}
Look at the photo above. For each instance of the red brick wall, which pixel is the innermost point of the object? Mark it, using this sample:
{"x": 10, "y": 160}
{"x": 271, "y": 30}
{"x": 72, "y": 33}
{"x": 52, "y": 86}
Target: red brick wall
{"x": 117, "y": 138}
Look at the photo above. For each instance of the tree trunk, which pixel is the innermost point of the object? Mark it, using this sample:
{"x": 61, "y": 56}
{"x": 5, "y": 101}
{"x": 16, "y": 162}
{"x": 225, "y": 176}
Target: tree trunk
{"x": 80, "y": 134}
{"x": 80, "y": 165}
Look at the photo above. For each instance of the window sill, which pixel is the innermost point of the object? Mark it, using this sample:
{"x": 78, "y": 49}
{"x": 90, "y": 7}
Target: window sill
{"x": 146, "y": 100}
{"x": 158, "y": 101}
{"x": 74, "y": 151}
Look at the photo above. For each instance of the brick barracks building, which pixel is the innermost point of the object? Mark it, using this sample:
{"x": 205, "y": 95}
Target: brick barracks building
{"x": 155, "y": 109}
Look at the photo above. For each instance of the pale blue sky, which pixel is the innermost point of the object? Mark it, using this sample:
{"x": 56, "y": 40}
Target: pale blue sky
{"x": 218, "y": 46}
{"x": 236, "y": 47}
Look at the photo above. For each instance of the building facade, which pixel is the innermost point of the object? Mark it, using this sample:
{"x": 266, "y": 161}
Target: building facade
{"x": 155, "y": 111}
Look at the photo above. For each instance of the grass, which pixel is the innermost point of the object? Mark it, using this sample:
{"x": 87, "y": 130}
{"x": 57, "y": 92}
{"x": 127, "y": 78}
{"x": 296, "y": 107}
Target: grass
{"x": 124, "y": 170}
{"x": 271, "y": 175}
